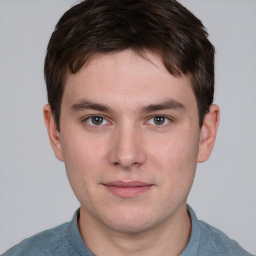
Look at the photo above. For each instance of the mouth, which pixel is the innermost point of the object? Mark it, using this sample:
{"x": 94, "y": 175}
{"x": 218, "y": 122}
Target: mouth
{"x": 129, "y": 189}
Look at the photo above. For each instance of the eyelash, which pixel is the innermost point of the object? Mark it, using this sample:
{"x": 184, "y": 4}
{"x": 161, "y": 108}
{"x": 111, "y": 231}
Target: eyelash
{"x": 90, "y": 123}
{"x": 166, "y": 120}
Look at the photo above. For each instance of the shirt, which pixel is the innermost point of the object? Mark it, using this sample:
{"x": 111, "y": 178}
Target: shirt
{"x": 65, "y": 240}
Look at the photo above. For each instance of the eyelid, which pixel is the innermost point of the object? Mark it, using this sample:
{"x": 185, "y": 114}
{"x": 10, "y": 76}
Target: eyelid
{"x": 168, "y": 118}
{"x": 86, "y": 118}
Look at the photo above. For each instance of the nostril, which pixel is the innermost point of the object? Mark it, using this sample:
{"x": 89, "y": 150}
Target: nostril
{"x": 127, "y": 166}
{"x": 116, "y": 163}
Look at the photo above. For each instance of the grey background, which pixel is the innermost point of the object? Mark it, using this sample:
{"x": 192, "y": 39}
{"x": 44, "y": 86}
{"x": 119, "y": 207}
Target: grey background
{"x": 34, "y": 191}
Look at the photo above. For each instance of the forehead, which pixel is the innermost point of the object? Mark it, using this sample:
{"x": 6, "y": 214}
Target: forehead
{"x": 126, "y": 76}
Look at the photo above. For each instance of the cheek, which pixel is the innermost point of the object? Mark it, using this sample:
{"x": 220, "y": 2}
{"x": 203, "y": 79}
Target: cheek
{"x": 176, "y": 157}
{"x": 82, "y": 157}
{"x": 81, "y": 150}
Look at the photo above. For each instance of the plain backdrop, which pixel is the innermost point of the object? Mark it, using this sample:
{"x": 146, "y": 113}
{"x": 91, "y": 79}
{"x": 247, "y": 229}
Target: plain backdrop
{"x": 34, "y": 191}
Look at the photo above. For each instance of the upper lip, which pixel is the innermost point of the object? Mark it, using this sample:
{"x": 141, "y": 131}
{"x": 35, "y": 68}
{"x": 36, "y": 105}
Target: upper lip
{"x": 127, "y": 184}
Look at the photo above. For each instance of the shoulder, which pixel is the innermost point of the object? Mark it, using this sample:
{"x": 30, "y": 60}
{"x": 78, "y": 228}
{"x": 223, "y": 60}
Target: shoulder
{"x": 41, "y": 244}
{"x": 212, "y": 239}
{"x": 208, "y": 240}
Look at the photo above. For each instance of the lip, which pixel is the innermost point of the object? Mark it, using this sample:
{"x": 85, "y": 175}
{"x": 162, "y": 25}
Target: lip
{"x": 128, "y": 189}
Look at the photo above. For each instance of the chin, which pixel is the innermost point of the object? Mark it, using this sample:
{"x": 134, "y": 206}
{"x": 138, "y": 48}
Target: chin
{"x": 130, "y": 223}
{"x": 130, "y": 228}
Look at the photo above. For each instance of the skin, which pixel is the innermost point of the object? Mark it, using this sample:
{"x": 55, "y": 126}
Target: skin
{"x": 146, "y": 130}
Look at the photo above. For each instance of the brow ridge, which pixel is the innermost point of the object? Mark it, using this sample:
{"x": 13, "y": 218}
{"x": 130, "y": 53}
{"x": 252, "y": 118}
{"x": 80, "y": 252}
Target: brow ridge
{"x": 84, "y": 104}
{"x": 167, "y": 104}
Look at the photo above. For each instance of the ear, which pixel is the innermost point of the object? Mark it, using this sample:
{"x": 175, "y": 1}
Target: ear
{"x": 208, "y": 133}
{"x": 53, "y": 133}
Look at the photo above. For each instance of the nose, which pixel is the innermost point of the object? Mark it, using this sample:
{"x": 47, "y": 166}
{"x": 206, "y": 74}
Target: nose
{"x": 127, "y": 149}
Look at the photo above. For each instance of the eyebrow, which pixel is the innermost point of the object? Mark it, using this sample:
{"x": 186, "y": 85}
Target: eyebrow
{"x": 84, "y": 104}
{"x": 167, "y": 104}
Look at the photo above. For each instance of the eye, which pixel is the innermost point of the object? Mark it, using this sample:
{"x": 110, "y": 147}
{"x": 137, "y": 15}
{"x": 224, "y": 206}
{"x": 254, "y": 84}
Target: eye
{"x": 158, "y": 120}
{"x": 96, "y": 120}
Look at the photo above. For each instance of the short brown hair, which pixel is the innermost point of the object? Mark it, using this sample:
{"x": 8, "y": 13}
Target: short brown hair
{"x": 102, "y": 26}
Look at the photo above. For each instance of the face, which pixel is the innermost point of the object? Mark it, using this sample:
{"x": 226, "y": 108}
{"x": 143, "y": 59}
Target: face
{"x": 130, "y": 140}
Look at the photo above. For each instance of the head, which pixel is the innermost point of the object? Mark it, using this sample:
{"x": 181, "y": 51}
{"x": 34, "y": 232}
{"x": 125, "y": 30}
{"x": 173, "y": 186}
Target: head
{"x": 164, "y": 27}
{"x": 130, "y": 88}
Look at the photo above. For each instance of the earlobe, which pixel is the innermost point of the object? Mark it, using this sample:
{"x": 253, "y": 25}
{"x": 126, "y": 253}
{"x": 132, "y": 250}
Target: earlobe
{"x": 53, "y": 133}
{"x": 208, "y": 133}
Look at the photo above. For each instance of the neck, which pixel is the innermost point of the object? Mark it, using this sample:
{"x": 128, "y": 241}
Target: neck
{"x": 168, "y": 238}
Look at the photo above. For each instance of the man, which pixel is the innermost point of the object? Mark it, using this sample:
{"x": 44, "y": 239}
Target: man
{"x": 130, "y": 90}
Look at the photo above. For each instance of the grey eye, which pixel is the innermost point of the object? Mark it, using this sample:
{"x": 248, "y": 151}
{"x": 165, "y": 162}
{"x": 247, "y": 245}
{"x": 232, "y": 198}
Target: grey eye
{"x": 96, "y": 120}
{"x": 159, "y": 120}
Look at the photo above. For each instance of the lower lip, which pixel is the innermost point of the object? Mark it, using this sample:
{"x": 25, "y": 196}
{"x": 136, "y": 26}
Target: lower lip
{"x": 128, "y": 192}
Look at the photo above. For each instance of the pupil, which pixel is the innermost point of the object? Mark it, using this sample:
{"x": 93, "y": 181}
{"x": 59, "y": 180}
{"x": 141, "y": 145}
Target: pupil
{"x": 159, "y": 120}
{"x": 97, "y": 120}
